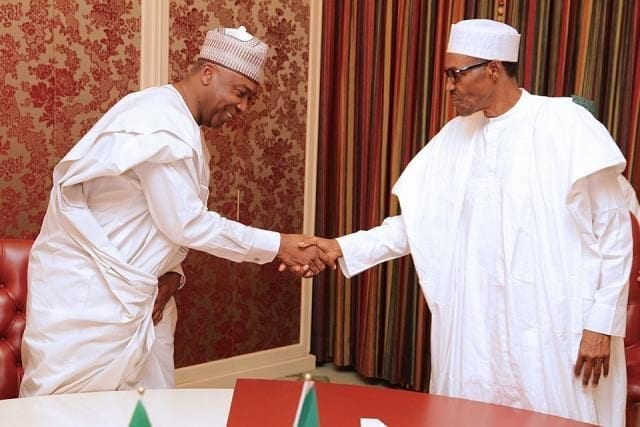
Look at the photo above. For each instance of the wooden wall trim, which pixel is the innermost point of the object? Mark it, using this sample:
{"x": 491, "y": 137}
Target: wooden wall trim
{"x": 311, "y": 158}
{"x": 154, "y": 43}
{"x": 273, "y": 363}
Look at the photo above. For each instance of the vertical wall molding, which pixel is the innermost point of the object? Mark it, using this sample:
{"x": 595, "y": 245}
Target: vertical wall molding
{"x": 154, "y": 43}
{"x": 311, "y": 158}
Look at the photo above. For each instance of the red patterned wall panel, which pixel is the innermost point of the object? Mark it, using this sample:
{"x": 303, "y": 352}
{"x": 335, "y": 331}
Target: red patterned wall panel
{"x": 229, "y": 309}
{"x": 63, "y": 64}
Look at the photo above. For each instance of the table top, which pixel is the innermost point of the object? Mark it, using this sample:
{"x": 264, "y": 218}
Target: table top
{"x": 174, "y": 407}
{"x": 274, "y": 403}
{"x": 266, "y": 403}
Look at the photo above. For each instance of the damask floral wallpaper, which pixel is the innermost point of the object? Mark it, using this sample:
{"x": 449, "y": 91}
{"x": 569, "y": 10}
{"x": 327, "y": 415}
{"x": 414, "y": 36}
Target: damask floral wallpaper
{"x": 257, "y": 177}
{"x": 65, "y": 62}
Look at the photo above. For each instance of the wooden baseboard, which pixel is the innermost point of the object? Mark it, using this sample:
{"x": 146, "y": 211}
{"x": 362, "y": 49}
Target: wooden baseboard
{"x": 275, "y": 363}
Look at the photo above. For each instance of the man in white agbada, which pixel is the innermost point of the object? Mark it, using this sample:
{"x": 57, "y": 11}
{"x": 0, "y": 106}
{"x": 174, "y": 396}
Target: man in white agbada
{"x": 127, "y": 201}
{"x": 521, "y": 239}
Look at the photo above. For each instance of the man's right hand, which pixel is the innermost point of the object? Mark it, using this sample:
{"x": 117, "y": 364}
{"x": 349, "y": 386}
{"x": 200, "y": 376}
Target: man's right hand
{"x": 305, "y": 260}
{"x": 329, "y": 252}
{"x": 328, "y": 246}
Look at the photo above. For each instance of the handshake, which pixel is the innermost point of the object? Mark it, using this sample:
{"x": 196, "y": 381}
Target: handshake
{"x": 307, "y": 256}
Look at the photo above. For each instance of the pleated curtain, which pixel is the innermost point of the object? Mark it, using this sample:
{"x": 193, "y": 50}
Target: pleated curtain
{"x": 382, "y": 98}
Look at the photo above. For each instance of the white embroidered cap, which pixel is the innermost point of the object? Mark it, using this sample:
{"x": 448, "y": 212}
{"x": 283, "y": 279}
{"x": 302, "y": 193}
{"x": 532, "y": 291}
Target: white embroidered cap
{"x": 484, "y": 39}
{"x": 237, "y": 50}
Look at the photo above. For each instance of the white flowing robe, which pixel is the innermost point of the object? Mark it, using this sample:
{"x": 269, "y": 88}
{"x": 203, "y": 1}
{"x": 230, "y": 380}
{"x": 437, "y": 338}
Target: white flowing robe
{"x": 521, "y": 239}
{"x": 630, "y": 196}
{"x": 127, "y": 201}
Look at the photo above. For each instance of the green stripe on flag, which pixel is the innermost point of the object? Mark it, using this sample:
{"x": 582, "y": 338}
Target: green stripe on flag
{"x": 309, "y": 413}
{"x": 140, "y": 417}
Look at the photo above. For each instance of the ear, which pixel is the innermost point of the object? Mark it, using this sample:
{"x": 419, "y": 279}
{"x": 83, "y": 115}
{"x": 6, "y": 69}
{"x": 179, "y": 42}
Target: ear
{"x": 208, "y": 72}
{"x": 494, "y": 68}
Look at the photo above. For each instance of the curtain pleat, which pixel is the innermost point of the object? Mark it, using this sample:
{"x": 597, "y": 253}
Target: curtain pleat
{"x": 382, "y": 98}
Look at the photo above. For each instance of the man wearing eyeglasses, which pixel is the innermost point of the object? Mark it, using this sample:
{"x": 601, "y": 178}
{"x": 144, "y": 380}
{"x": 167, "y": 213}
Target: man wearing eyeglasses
{"x": 521, "y": 239}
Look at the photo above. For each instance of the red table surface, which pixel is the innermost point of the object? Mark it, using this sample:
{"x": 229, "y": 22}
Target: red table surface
{"x": 274, "y": 403}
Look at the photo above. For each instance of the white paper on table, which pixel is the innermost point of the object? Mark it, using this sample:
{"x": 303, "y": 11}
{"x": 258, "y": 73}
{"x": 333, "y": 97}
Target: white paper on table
{"x": 371, "y": 422}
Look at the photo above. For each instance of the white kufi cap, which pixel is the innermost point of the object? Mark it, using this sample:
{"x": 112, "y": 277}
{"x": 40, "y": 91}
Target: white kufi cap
{"x": 236, "y": 50}
{"x": 484, "y": 39}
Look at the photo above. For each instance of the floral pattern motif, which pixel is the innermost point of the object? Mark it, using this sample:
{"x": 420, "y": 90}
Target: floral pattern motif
{"x": 228, "y": 309}
{"x": 64, "y": 63}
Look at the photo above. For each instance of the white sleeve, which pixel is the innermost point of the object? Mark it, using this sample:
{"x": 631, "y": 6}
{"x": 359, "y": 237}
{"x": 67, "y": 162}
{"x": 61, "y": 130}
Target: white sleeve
{"x": 364, "y": 249}
{"x": 178, "y": 269}
{"x": 177, "y": 210}
{"x": 629, "y": 195}
{"x": 612, "y": 231}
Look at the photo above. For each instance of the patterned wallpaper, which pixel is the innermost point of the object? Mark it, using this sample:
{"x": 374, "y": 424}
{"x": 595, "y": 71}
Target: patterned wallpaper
{"x": 64, "y": 63}
{"x": 229, "y": 309}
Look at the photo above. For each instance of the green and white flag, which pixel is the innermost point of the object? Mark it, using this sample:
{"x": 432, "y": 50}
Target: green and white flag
{"x": 307, "y": 413}
{"x": 140, "y": 417}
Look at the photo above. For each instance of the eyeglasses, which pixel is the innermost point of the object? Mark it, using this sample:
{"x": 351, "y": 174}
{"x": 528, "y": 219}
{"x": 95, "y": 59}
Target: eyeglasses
{"x": 455, "y": 73}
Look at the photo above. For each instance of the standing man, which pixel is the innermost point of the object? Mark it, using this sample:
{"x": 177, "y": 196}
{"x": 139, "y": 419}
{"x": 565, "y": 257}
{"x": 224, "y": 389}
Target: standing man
{"x": 127, "y": 202}
{"x": 521, "y": 239}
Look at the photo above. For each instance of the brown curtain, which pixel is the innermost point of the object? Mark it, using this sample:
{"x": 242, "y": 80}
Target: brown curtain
{"x": 382, "y": 98}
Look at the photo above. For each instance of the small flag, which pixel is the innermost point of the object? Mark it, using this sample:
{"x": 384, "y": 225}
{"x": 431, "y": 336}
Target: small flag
{"x": 140, "y": 417}
{"x": 307, "y": 413}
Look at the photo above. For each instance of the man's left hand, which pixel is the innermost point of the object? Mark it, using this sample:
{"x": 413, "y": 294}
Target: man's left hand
{"x": 167, "y": 285}
{"x": 593, "y": 357}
